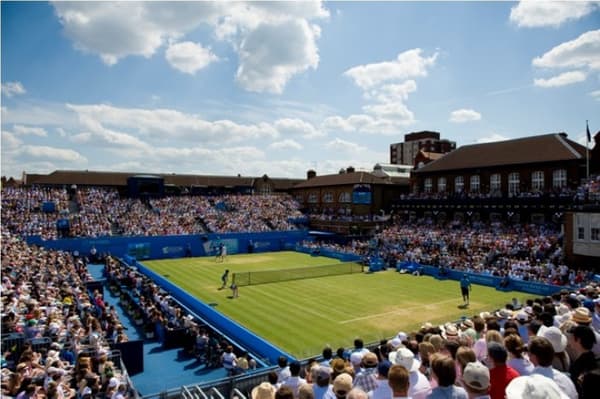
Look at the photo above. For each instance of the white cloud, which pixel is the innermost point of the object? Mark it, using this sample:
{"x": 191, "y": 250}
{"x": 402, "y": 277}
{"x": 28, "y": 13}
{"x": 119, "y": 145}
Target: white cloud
{"x": 61, "y": 132}
{"x": 409, "y": 64}
{"x": 344, "y": 146}
{"x": 336, "y": 123}
{"x": 274, "y": 40}
{"x": 595, "y": 94}
{"x": 492, "y": 138}
{"x": 189, "y": 57}
{"x": 271, "y": 54}
{"x": 286, "y": 144}
{"x": 51, "y": 153}
{"x": 166, "y": 124}
{"x": 10, "y": 89}
{"x": 583, "y": 52}
{"x": 392, "y": 92}
{"x": 289, "y": 126}
{"x": 533, "y": 14}
{"x": 395, "y": 111}
{"x": 464, "y": 115}
{"x": 10, "y": 141}
{"x": 28, "y": 130}
{"x": 563, "y": 79}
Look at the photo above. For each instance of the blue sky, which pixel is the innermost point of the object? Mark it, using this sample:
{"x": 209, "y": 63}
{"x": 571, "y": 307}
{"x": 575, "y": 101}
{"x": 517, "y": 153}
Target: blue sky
{"x": 282, "y": 87}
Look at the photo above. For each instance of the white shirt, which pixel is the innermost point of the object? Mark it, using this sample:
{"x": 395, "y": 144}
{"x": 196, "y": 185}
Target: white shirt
{"x": 419, "y": 386}
{"x": 294, "y": 383}
{"x": 561, "y": 379}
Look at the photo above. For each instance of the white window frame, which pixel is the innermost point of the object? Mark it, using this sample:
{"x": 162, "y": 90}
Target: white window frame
{"x": 459, "y": 184}
{"x": 345, "y": 197}
{"x": 559, "y": 178}
{"x": 475, "y": 184}
{"x": 495, "y": 182}
{"x": 428, "y": 185}
{"x": 313, "y": 198}
{"x": 537, "y": 180}
{"x": 442, "y": 185}
{"x": 328, "y": 197}
{"x": 514, "y": 181}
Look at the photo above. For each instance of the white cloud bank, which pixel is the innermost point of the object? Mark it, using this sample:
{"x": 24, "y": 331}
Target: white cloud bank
{"x": 581, "y": 55}
{"x": 274, "y": 40}
{"x": 492, "y": 138}
{"x": 536, "y": 14}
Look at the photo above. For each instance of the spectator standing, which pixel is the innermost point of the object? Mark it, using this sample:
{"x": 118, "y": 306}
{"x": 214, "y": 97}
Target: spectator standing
{"x": 500, "y": 374}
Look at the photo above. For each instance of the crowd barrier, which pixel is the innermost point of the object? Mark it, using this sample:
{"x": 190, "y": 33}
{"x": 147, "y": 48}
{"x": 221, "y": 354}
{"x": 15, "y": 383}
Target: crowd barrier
{"x": 530, "y": 287}
{"x": 176, "y": 246}
{"x": 227, "y": 326}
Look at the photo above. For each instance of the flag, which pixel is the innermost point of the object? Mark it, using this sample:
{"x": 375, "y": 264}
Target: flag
{"x": 589, "y": 136}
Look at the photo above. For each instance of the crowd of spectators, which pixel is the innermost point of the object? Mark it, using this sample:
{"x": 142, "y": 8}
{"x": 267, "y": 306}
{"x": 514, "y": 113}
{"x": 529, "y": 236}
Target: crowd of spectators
{"x": 56, "y": 334}
{"x": 549, "y": 348}
{"x": 527, "y": 252}
{"x": 96, "y": 212}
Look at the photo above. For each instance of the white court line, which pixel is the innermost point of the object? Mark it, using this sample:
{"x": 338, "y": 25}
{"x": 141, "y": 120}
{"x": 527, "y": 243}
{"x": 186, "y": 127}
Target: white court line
{"x": 395, "y": 311}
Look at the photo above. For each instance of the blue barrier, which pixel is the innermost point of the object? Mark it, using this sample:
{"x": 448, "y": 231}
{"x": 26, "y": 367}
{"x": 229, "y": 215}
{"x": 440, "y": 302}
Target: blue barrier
{"x": 530, "y": 287}
{"x": 160, "y": 247}
{"x": 229, "y": 327}
{"x": 342, "y": 256}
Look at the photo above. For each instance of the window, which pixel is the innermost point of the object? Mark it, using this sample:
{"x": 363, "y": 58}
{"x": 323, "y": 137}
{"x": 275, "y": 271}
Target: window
{"x": 345, "y": 197}
{"x": 441, "y": 185}
{"x": 312, "y": 198}
{"x": 559, "y": 178}
{"x": 474, "y": 184}
{"x": 495, "y": 183}
{"x": 328, "y": 197}
{"x": 513, "y": 183}
{"x": 537, "y": 181}
{"x": 581, "y": 233}
{"x": 299, "y": 198}
{"x": 428, "y": 185}
{"x": 459, "y": 184}
{"x": 595, "y": 236}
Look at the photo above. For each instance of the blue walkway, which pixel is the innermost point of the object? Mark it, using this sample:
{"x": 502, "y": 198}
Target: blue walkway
{"x": 164, "y": 369}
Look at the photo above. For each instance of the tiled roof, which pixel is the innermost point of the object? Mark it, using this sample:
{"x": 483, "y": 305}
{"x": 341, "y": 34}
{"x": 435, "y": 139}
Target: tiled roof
{"x": 343, "y": 179}
{"x": 95, "y": 178}
{"x": 527, "y": 150}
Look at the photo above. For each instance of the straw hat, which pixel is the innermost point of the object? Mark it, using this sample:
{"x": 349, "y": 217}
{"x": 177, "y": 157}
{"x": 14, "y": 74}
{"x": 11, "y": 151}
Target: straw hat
{"x": 263, "y": 391}
{"x": 581, "y": 315}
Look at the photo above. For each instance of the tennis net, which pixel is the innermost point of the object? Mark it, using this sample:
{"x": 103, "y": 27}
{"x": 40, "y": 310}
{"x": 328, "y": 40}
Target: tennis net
{"x": 278, "y": 275}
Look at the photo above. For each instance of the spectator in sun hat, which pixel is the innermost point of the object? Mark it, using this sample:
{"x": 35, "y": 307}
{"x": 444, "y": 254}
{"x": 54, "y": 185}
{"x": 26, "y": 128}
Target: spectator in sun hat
{"x": 356, "y": 360}
{"x": 533, "y": 386}
{"x": 561, "y": 360}
{"x": 541, "y": 354}
{"x": 342, "y": 385}
{"x": 476, "y": 380}
{"x": 522, "y": 319}
{"x": 419, "y": 385}
{"x": 366, "y": 378}
{"x": 263, "y": 391}
{"x": 383, "y": 390}
{"x": 583, "y": 317}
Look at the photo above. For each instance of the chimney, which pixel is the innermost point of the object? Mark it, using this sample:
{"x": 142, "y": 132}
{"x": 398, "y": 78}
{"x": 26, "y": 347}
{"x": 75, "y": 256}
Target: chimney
{"x": 350, "y": 169}
{"x": 310, "y": 174}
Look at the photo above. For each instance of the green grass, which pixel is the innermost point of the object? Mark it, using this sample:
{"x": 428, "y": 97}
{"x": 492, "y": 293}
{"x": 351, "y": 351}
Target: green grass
{"x": 302, "y": 316}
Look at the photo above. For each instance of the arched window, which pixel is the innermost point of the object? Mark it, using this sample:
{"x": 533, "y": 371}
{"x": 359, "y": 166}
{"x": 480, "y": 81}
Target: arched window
{"x": 441, "y": 185}
{"x": 513, "y": 183}
{"x": 559, "y": 178}
{"x": 428, "y": 185}
{"x": 537, "y": 180}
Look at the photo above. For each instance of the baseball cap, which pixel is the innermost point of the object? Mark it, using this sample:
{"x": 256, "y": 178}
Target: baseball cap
{"x": 476, "y": 376}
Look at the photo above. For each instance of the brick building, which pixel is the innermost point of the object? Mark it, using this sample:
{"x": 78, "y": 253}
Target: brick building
{"x": 404, "y": 153}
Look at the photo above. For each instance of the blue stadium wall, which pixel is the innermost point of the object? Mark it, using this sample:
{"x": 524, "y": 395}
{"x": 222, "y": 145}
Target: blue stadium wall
{"x": 161, "y": 247}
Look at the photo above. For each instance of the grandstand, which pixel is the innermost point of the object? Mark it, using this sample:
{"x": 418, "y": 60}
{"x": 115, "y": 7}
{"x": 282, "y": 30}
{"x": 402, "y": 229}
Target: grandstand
{"x": 76, "y": 274}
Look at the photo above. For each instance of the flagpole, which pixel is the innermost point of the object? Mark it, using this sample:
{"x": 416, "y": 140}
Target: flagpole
{"x": 587, "y": 150}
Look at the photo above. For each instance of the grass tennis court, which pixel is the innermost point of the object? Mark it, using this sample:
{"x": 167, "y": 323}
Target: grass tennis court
{"x": 302, "y": 316}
